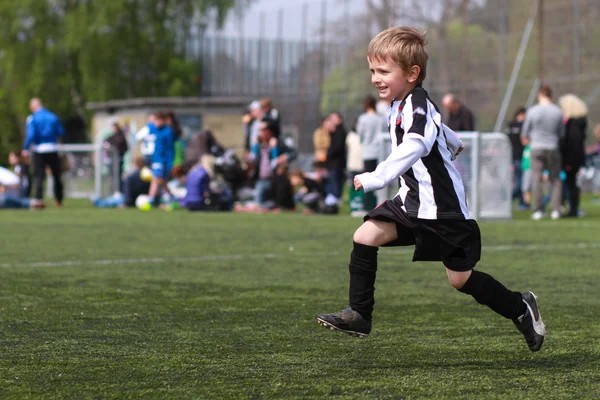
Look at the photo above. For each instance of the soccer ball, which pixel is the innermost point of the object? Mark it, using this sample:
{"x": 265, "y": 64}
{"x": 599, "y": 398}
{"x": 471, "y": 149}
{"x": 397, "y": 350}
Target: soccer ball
{"x": 143, "y": 202}
{"x": 146, "y": 174}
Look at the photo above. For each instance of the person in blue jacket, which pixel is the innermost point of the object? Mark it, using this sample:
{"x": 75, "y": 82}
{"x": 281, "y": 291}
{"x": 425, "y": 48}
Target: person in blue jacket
{"x": 43, "y": 130}
{"x": 162, "y": 158}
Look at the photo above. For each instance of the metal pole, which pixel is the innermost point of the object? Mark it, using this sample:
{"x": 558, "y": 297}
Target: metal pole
{"x": 515, "y": 72}
{"x": 344, "y": 83}
{"x": 540, "y": 41}
{"x": 278, "y": 56}
{"x": 241, "y": 57}
{"x": 502, "y": 45}
{"x": 261, "y": 38}
{"x": 464, "y": 65}
{"x": 302, "y": 73}
{"x": 475, "y": 167}
{"x": 576, "y": 43}
{"x": 533, "y": 92}
{"x": 322, "y": 44}
{"x": 98, "y": 170}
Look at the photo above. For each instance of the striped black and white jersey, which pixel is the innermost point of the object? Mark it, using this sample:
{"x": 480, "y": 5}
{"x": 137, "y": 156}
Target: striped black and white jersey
{"x": 421, "y": 157}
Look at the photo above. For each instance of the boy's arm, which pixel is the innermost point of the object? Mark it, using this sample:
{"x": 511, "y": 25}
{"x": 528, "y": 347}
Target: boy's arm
{"x": 455, "y": 145}
{"x": 398, "y": 162}
{"x": 417, "y": 143}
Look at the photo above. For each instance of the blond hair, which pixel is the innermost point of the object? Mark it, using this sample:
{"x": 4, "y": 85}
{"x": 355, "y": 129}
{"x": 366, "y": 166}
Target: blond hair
{"x": 572, "y": 106}
{"x": 403, "y": 45}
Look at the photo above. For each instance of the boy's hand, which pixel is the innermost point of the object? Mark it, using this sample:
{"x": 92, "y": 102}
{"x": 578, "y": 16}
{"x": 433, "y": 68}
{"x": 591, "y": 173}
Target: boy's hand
{"x": 460, "y": 149}
{"x": 273, "y": 142}
{"x": 357, "y": 184}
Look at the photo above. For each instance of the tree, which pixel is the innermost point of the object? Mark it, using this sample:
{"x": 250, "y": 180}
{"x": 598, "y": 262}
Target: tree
{"x": 69, "y": 52}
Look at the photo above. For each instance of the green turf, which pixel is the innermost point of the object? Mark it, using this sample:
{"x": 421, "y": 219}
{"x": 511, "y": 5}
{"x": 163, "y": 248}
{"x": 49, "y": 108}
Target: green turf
{"x": 242, "y": 325}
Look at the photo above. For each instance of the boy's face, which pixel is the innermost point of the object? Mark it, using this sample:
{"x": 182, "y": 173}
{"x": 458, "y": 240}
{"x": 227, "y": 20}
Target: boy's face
{"x": 158, "y": 122}
{"x": 390, "y": 80}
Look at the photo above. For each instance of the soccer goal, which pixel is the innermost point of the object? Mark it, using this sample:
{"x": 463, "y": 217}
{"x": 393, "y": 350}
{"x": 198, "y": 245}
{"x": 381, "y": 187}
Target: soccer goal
{"x": 89, "y": 170}
{"x": 485, "y": 166}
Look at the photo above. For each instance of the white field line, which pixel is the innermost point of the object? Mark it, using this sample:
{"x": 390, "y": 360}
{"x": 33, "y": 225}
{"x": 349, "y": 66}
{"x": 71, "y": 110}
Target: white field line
{"x": 226, "y": 257}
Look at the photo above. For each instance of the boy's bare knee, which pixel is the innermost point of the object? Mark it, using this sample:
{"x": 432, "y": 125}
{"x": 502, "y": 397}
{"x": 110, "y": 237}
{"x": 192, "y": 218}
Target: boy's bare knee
{"x": 363, "y": 236}
{"x": 458, "y": 278}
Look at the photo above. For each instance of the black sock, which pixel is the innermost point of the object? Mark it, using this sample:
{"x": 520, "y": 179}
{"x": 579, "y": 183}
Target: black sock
{"x": 363, "y": 269}
{"x": 488, "y": 291}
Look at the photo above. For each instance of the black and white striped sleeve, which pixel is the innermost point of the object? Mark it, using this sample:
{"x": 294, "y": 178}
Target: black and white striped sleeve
{"x": 417, "y": 117}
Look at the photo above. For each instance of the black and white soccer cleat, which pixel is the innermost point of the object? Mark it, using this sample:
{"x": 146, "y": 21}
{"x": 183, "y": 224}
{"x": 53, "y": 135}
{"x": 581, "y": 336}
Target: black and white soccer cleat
{"x": 530, "y": 324}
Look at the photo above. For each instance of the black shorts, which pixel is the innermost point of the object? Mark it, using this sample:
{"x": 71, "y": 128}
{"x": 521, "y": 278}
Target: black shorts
{"x": 455, "y": 242}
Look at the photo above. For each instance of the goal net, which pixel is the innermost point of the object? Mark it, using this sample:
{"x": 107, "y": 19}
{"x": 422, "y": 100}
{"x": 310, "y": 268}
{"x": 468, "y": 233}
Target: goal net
{"x": 485, "y": 167}
{"x": 89, "y": 171}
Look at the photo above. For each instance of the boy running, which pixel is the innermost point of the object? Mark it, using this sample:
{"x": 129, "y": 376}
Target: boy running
{"x": 430, "y": 210}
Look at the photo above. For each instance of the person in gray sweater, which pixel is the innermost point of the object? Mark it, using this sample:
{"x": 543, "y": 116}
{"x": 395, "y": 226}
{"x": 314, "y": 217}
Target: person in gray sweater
{"x": 542, "y": 130}
{"x": 369, "y": 127}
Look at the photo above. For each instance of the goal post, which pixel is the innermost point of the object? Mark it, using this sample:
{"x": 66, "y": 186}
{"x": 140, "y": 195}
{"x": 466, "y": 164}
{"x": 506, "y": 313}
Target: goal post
{"x": 485, "y": 167}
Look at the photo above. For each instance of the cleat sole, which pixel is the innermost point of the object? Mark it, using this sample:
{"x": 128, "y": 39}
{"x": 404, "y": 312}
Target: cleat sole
{"x": 334, "y": 328}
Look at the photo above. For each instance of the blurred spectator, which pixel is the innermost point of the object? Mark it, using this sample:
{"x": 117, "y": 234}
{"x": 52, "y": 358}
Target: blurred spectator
{"x": 369, "y": 127}
{"x": 572, "y": 146}
{"x": 10, "y": 192}
{"x": 310, "y": 188}
{"x": 43, "y": 131}
{"x": 253, "y": 130}
{"x": 118, "y": 143}
{"x": 179, "y": 143}
{"x": 283, "y": 191}
{"x": 197, "y": 197}
{"x": 267, "y": 155}
{"x": 321, "y": 141}
{"x": 513, "y": 130}
{"x": 542, "y": 130}
{"x": 137, "y": 181}
{"x": 201, "y": 143}
{"x": 162, "y": 158}
{"x": 266, "y": 106}
{"x": 355, "y": 165}
{"x": 526, "y": 175}
{"x": 460, "y": 118}
{"x": 336, "y": 157}
{"x": 20, "y": 166}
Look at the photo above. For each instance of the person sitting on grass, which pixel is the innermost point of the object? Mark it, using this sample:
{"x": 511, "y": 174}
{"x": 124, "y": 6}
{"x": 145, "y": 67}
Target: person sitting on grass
{"x": 10, "y": 191}
{"x": 137, "y": 181}
{"x": 310, "y": 188}
{"x": 20, "y": 166}
{"x": 198, "y": 184}
{"x": 267, "y": 155}
{"x": 430, "y": 209}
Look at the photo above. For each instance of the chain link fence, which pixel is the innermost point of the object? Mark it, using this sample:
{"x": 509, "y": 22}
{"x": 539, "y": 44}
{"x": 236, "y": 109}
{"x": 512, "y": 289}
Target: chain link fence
{"x": 310, "y": 58}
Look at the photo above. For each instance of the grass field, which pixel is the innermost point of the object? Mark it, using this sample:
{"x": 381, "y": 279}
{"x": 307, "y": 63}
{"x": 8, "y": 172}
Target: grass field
{"x": 125, "y": 304}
